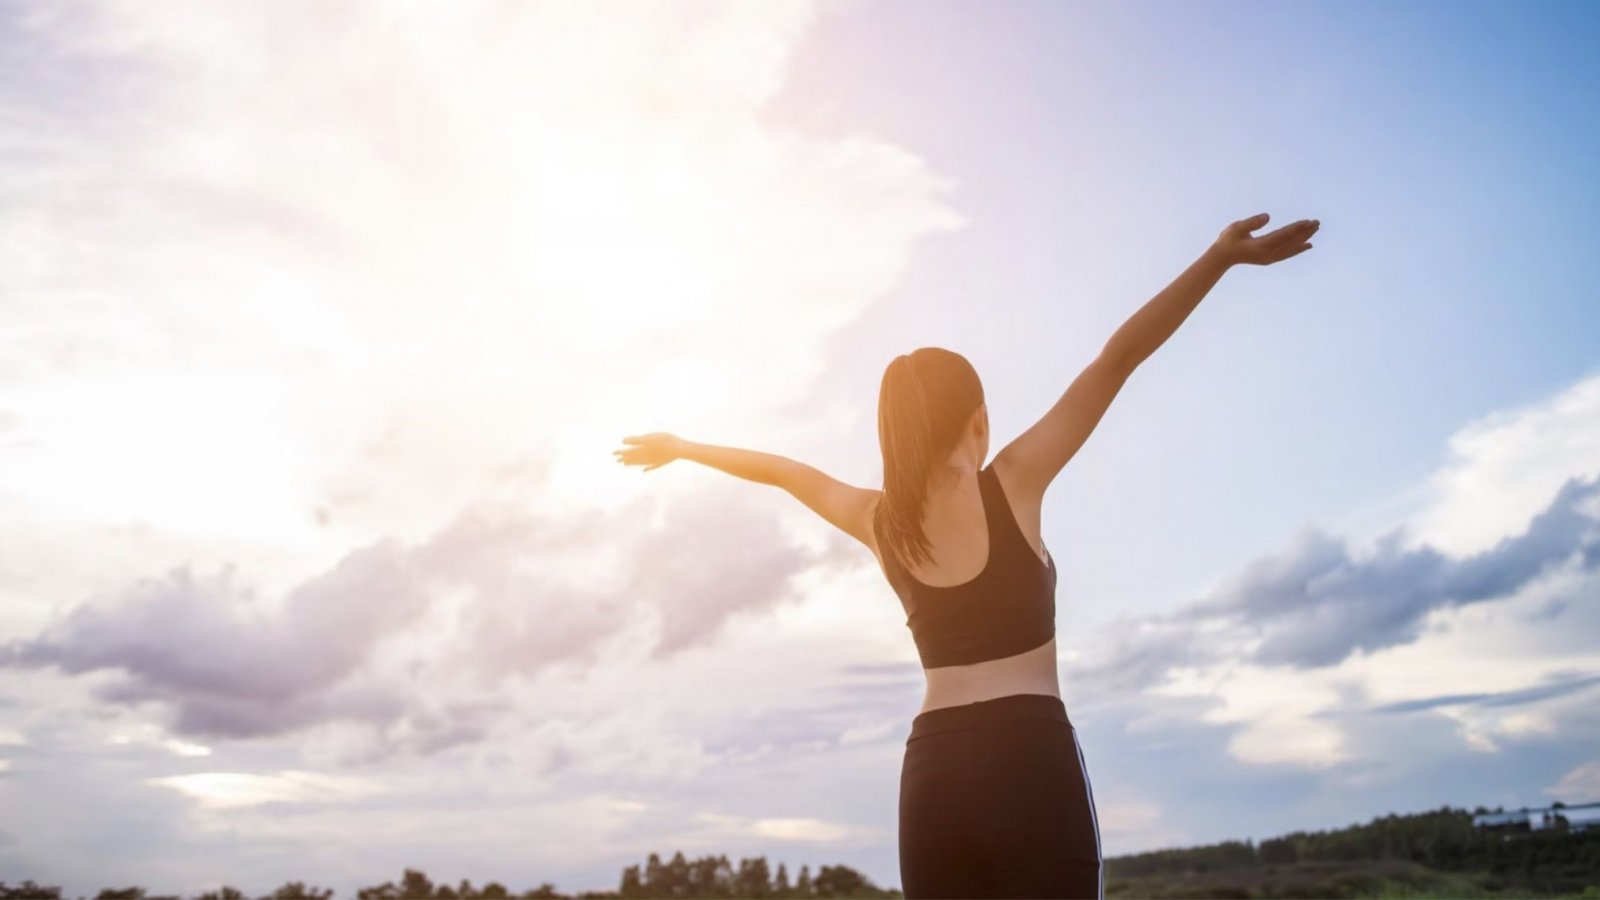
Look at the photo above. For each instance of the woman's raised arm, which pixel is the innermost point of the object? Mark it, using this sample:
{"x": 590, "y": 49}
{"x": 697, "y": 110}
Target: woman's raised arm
{"x": 1035, "y": 457}
{"x": 1149, "y": 328}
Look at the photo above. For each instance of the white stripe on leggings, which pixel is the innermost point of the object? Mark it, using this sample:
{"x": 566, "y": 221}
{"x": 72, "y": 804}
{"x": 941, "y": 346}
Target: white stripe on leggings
{"x": 1093, "y": 816}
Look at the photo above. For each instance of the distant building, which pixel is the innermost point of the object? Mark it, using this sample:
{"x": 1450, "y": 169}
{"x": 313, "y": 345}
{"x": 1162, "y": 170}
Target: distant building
{"x": 1503, "y": 819}
{"x": 1541, "y": 818}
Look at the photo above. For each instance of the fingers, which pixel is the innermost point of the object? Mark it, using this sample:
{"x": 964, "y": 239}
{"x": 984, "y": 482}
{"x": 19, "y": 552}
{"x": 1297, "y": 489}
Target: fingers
{"x": 1295, "y": 227}
{"x": 1252, "y": 223}
{"x": 1279, "y": 254}
{"x": 1294, "y": 231}
{"x": 636, "y": 456}
{"x": 1289, "y": 235}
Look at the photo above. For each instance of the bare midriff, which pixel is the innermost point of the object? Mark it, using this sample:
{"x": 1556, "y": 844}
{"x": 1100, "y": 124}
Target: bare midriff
{"x": 1030, "y": 672}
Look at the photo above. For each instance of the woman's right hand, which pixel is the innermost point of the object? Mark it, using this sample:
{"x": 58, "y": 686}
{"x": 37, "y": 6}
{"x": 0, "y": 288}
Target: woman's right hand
{"x": 1235, "y": 245}
{"x": 652, "y": 450}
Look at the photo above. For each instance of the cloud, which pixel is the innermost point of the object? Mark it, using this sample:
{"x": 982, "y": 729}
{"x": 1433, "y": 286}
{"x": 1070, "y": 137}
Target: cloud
{"x": 310, "y": 268}
{"x": 234, "y": 789}
{"x": 1301, "y": 653}
{"x": 1317, "y": 601}
{"x": 1559, "y": 687}
{"x": 711, "y": 559}
{"x": 230, "y": 671}
{"x": 324, "y": 320}
{"x": 793, "y": 829}
{"x": 1580, "y": 785}
{"x": 1131, "y": 821}
{"x": 482, "y": 601}
{"x": 312, "y": 303}
{"x": 1502, "y": 468}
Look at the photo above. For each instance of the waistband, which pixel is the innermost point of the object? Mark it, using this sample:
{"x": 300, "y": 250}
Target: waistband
{"x": 987, "y": 712}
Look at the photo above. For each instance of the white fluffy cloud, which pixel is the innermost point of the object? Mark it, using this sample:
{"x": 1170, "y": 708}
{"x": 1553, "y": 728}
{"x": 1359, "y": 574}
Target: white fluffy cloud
{"x": 1503, "y": 468}
{"x": 1494, "y": 634}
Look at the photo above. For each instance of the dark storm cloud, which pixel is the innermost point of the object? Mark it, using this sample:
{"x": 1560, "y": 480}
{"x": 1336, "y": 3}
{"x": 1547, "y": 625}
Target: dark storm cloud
{"x": 1315, "y": 603}
{"x": 225, "y": 668}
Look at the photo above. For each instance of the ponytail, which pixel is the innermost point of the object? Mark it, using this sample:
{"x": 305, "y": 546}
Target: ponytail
{"x": 926, "y": 399}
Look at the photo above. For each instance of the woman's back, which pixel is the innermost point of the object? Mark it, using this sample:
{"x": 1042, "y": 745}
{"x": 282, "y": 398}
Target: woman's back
{"x": 982, "y": 608}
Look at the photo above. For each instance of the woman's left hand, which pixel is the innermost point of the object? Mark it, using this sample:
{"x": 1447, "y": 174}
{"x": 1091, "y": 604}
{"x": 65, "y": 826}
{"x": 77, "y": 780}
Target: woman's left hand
{"x": 652, "y": 450}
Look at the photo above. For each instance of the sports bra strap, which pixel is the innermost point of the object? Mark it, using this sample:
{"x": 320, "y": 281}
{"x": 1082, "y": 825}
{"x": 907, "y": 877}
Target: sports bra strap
{"x": 1000, "y": 523}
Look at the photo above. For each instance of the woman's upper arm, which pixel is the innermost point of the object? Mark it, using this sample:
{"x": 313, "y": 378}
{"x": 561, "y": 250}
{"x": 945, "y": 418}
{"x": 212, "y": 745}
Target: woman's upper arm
{"x": 846, "y": 507}
{"x": 1037, "y": 455}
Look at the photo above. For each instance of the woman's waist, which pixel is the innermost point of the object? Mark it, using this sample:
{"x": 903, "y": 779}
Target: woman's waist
{"x": 994, "y": 716}
{"x": 1030, "y": 672}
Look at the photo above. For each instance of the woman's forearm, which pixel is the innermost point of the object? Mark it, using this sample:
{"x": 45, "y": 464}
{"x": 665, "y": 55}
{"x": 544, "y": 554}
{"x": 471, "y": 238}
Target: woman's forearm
{"x": 1149, "y": 328}
{"x": 765, "y": 468}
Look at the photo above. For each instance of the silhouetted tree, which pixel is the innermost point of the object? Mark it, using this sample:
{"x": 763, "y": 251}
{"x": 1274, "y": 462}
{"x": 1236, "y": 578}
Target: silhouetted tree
{"x": 703, "y": 877}
{"x": 678, "y": 883}
{"x": 754, "y": 878}
{"x": 297, "y": 890}
{"x": 655, "y": 877}
{"x": 632, "y": 885}
{"x": 29, "y": 891}
{"x": 414, "y": 885}
{"x": 841, "y": 881}
{"x": 781, "y": 884}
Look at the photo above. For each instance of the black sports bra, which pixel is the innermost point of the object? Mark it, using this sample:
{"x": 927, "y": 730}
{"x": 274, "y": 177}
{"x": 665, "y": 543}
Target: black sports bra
{"x": 1007, "y": 608}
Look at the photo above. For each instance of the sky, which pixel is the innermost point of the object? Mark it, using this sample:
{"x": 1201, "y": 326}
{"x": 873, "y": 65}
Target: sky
{"x": 318, "y": 326}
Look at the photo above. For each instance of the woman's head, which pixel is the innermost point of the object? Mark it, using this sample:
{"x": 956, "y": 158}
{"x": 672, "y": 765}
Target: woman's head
{"x": 932, "y": 421}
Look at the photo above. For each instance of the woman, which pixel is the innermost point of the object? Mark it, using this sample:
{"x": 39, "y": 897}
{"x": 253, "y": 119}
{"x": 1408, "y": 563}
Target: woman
{"x": 995, "y": 800}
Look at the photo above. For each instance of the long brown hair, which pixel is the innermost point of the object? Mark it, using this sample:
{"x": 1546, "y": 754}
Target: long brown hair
{"x": 924, "y": 404}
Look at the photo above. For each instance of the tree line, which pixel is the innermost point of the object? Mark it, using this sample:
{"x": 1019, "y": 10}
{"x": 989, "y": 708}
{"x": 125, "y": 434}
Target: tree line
{"x": 678, "y": 877}
{"x": 1558, "y": 859}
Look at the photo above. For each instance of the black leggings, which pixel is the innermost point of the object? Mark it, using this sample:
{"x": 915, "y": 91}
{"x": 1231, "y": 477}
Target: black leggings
{"x": 995, "y": 802}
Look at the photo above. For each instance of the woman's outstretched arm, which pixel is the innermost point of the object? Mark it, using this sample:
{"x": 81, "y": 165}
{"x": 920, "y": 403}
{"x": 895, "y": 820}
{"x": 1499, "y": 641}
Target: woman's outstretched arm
{"x": 1033, "y": 459}
{"x": 1146, "y": 330}
{"x": 845, "y": 506}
